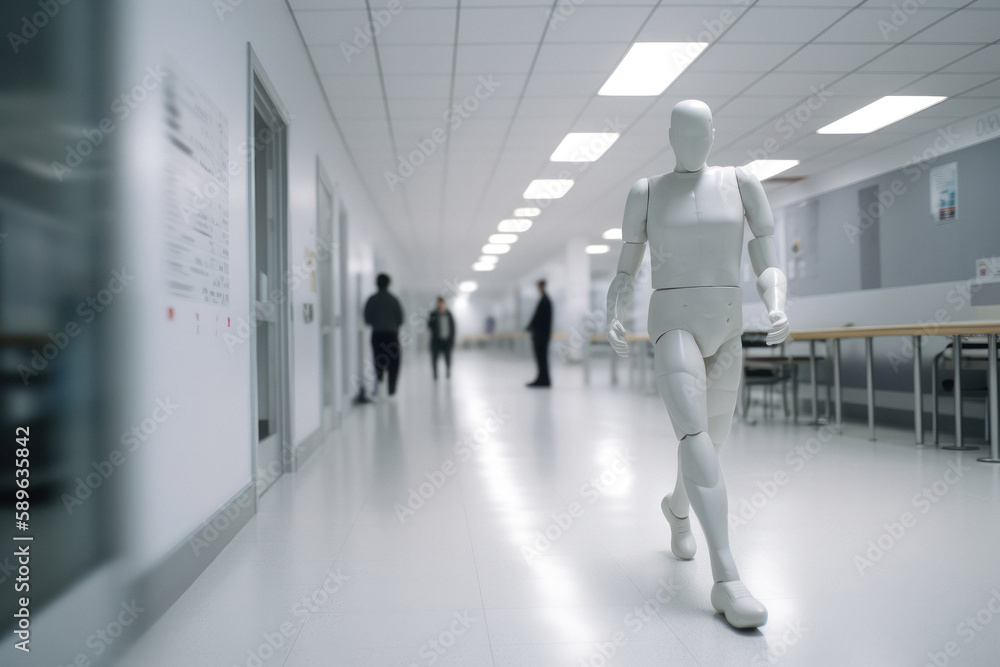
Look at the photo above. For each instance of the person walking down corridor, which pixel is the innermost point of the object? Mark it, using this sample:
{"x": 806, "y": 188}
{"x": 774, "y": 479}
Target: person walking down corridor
{"x": 541, "y": 331}
{"x": 384, "y": 314}
{"x": 441, "y": 324}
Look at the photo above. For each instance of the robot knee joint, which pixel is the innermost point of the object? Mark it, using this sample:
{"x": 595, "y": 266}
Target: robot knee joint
{"x": 698, "y": 459}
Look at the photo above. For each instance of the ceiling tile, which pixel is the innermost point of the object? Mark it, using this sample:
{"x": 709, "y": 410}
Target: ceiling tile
{"x": 876, "y": 26}
{"x": 589, "y": 23}
{"x": 423, "y": 60}
{"x": 694, "y": 23}
{"x": 418, "y": 25}
{"x": 945, "y": 84}
{"x": 494, "y": 58}
{"x": 832, "y": 57}
{"x": 983, "y": 60}
{"x": 918, "y": 58}
{"x": 502, "y": 24}
{"x": 724, "y": 57}
{"x": 786, "y": 24}
{"x": 434, "y": 86}
{"x": 970, "y": 25}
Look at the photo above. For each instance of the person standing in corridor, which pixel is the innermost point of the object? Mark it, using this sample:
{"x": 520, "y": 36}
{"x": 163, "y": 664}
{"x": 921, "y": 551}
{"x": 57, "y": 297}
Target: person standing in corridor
{"x": 541, "y": 332}
{"x": 384, "y": 314}
{"x": 441, "y": 325}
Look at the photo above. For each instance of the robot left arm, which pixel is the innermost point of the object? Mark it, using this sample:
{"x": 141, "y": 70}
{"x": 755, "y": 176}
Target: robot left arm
{"x": 771, "y": 283}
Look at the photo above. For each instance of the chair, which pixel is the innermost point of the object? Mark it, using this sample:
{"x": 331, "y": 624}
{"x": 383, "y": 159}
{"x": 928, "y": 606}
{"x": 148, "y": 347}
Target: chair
{"x": 767, "y": 370}
{"x": 974, "y": 357}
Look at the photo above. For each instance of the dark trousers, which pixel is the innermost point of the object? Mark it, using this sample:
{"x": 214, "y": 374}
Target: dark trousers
{"x": 439, "y": 347}
{"x": 541, "y": 348}
{"x": 386, "y": 352}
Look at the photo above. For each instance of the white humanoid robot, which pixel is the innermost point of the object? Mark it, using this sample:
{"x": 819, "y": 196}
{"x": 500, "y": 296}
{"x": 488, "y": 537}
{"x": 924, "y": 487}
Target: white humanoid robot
{"x": 692, "y": 219}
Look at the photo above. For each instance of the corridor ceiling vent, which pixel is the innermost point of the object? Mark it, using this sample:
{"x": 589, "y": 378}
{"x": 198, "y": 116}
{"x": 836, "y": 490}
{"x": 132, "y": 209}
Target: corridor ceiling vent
{"x": 650, "y": 67}
{"x": 548, "y": 188}
{"x": 880, "y": 113}
{"x": 765, "y": 169}
{"x": 583, "y": 146}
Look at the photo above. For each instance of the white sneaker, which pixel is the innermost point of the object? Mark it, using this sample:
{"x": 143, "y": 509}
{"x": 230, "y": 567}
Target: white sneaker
{"x": 681, "y": 540}
{"x": 741, "y": 609}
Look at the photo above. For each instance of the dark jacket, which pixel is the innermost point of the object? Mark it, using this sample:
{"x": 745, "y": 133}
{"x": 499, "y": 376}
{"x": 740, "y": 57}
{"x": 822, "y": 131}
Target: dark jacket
{"x": 383, "y": 312}
{"x": 541, "y": 322}
{"x": 433, "y": 324}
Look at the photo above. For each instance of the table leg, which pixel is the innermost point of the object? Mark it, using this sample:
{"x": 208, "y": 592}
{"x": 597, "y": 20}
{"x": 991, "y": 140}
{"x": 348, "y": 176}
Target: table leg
{"x": 614, "y": 368}
{"x": 837, "y": 399}
{"x": 994, "y": 456}
{"x": 812, "y": 381}
{"x": 795, "y": 393}
{"x": 959, "y": 446}
{"x": 918, "y": 393}
{"x": 870, "y": 375}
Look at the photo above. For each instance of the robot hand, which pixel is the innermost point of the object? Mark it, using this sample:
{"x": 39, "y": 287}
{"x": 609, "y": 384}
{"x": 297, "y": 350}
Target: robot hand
{"x": 616, "y": 336}
{"x": 779, "y": 328}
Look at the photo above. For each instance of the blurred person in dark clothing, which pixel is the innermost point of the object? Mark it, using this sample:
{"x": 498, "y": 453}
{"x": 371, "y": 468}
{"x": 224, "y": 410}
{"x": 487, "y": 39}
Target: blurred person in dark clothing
{"x": 541, "y": 331}
{"x": 384, "y": 315}
{"x": 441, "y": 324}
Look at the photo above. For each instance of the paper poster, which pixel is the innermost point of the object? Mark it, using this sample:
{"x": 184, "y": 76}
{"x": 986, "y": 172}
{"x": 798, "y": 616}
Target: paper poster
{"x": 944, "y": 192}
{"x": 197, "y": 193}
{"x": 988, "y": 270}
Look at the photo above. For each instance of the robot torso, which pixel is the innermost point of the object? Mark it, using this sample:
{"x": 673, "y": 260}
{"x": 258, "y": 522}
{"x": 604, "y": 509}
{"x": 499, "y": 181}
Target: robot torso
{"x": 694, "y": 225}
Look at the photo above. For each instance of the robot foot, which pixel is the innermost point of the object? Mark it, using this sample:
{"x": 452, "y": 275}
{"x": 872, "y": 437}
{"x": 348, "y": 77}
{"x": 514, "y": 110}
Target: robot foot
{"x": 681, "y": 540}
{"x": 740, "y": 608}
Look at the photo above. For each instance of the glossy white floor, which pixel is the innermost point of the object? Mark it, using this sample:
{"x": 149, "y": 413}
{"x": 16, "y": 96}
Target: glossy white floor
{"x": 535, "y": 538}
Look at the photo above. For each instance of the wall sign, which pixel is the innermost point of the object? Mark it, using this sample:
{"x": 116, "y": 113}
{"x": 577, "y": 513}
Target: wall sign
{"x": 197, "y": 193}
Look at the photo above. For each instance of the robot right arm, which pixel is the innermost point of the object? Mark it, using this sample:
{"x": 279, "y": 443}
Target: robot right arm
{"x": 634, "y": 247}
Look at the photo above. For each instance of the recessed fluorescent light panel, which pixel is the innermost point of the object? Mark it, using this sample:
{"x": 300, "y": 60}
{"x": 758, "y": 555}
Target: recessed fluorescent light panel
{"x": 583, "y": 146}
{"x": 468, "y": 286}
{"x": 765, "y": 169}
{"x": 526, "y": 212}
{"x": 880, "y": 113}
{"x": 502, "y": 238}
{"x": 484, "y": 266}
{"x": 495, "y": 249}
{"x": 488, "y": 259}
{"x": 650, "y": 67}
{"x": 548, "y": 188}
{"x": 597, "y": 249}
{"x": 515, "y": 225}
{"x": 613, "y": 234}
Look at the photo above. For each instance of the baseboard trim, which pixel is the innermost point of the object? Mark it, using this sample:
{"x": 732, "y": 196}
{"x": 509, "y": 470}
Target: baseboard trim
{"x": 306, "y": 448}
{"x": 160, "y": 587}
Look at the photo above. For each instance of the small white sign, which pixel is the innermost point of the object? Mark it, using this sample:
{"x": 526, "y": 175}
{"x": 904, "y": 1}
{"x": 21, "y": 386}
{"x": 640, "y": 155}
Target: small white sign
{"x": 988, "y": 270}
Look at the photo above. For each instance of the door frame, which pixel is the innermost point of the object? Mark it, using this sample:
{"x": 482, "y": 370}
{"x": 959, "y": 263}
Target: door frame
{"x": 329, "y": 421}
{"x": 259, "y": 84}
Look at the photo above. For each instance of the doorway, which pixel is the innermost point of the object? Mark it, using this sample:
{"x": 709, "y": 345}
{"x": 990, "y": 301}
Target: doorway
{"x": 270, "y": 389}
{"x": 331, "y": 309}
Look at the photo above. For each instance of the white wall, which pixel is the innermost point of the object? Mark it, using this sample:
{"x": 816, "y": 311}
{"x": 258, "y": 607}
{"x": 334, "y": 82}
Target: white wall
{"x": 201, "y": 457}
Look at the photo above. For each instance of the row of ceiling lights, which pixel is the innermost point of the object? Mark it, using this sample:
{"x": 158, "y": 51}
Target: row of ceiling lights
{"x": 647, "y": 70}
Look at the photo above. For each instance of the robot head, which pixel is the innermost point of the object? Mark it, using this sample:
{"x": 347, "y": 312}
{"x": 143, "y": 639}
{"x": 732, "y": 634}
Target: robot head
{"x": 691, "y": 134}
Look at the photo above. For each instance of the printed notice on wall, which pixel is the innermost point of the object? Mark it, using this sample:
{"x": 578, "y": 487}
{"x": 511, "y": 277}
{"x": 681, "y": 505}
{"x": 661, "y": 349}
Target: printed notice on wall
{"x": 197, "y": 193}
{"x": 944, "y": 192}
